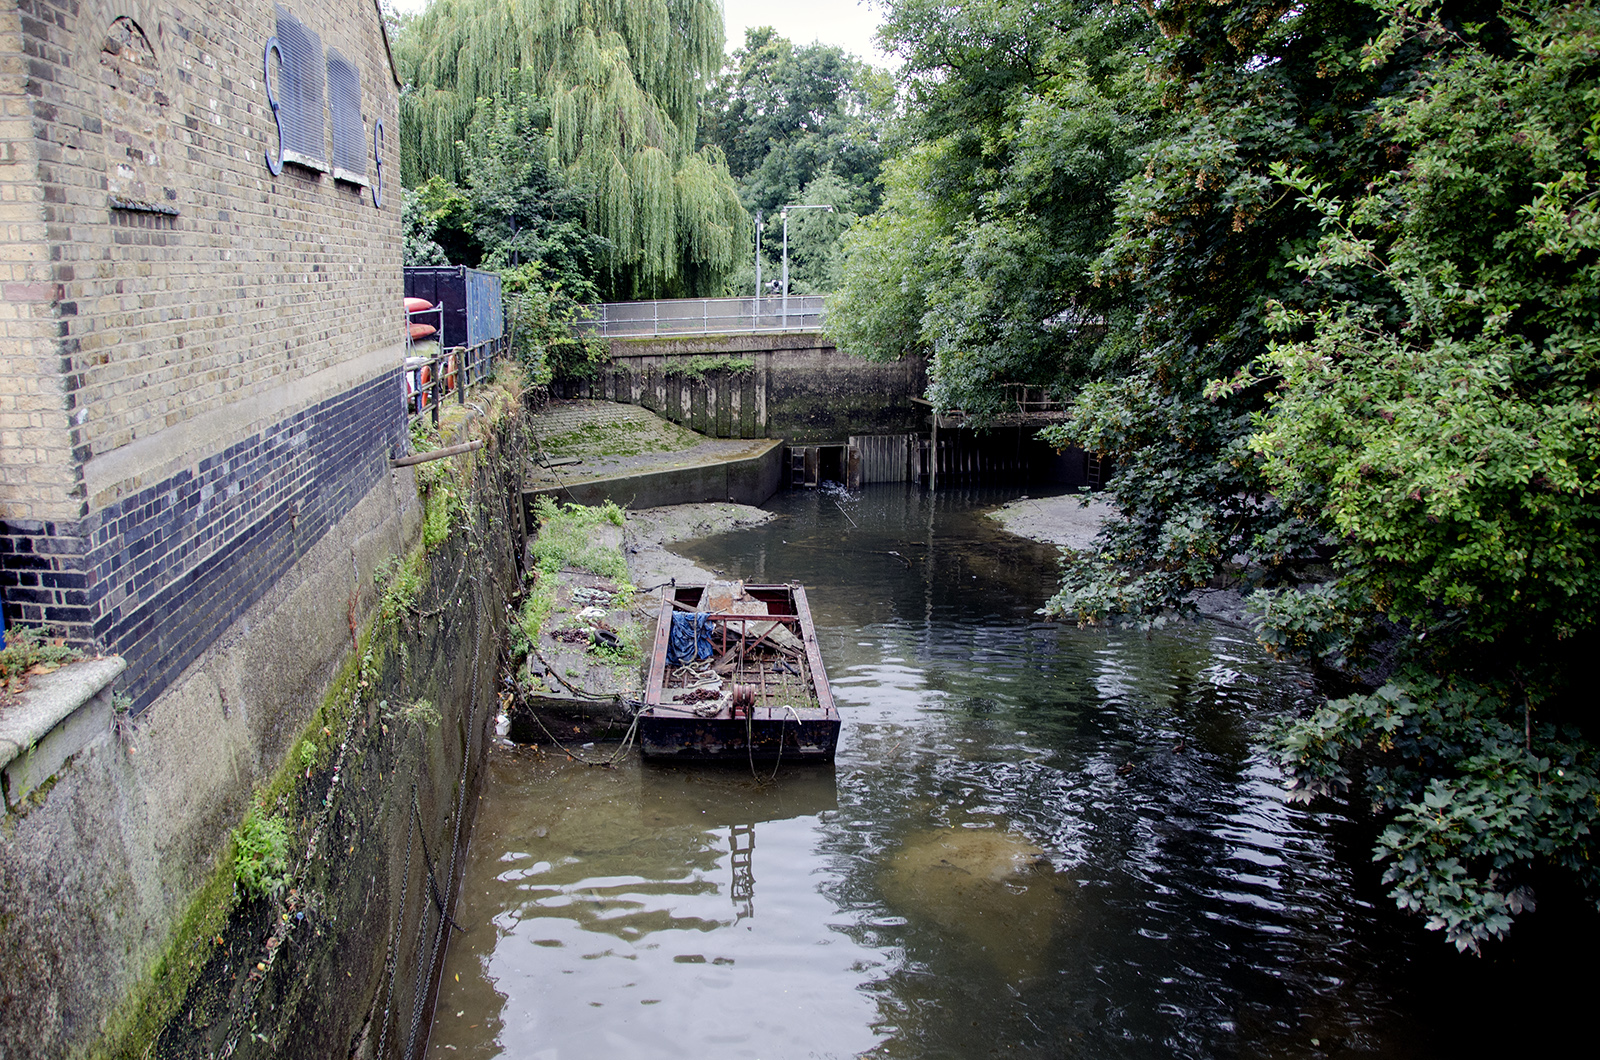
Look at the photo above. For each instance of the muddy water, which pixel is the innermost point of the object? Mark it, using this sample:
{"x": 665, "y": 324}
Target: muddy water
{"x": 1036, "y": 841}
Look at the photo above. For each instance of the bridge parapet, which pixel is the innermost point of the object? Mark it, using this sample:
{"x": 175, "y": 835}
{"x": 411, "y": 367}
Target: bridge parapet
{"x": 704, "y": 316}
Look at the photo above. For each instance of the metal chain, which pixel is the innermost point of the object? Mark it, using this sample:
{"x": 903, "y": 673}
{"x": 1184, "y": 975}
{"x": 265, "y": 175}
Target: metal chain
{"x": 392, "y": 960}
{"x": 425, "y": 967}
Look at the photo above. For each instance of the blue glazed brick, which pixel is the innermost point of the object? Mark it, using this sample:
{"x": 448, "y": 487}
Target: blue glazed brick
{"x": 158, "y": 576}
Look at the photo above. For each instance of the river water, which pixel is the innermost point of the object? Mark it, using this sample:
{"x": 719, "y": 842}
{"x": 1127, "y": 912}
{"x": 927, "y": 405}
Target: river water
{"x": 1036, "y": 841}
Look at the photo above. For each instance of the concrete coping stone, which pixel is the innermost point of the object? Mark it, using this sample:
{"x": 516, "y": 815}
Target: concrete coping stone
{"x": 51, "y": 699}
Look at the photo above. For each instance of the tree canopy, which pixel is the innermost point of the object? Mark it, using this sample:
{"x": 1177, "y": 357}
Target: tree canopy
{"x": 615, "y": 87}
{"x": 1021, "y": 122}
{"x": 1319, "y": 278}
{"x": 800, "y": 125}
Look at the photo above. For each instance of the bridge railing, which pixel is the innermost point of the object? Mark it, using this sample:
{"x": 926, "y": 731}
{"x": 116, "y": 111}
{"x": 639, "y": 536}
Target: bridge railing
{"x": 703, "y": 316}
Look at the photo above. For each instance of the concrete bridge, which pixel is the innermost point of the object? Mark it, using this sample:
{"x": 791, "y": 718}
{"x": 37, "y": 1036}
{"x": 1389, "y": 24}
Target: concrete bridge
{"x": 729, "y": 369}
{"x": 791, "y": 384}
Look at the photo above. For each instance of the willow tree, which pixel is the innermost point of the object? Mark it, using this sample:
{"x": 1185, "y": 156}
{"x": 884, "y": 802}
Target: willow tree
{"x": 618, "y": 82}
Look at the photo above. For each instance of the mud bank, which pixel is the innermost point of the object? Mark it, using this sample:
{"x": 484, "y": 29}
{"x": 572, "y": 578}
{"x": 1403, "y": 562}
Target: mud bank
{"x": 1070, "y": 520}
{"x": 1067, "y": 521}
{"x": 647, "y": 533}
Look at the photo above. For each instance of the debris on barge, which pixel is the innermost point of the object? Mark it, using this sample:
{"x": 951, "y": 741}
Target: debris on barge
{"x": 736, "y": 675}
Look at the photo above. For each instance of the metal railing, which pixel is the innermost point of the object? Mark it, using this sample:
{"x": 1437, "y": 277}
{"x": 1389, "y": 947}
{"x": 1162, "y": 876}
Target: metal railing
{"x": 703, "y": 316}
{"x": 429, "y": 380}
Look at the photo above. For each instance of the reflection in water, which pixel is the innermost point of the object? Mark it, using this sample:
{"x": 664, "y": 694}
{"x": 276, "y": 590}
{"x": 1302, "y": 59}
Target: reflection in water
{"x": 1041, "y": 842}
{"x": 617, "y": 913}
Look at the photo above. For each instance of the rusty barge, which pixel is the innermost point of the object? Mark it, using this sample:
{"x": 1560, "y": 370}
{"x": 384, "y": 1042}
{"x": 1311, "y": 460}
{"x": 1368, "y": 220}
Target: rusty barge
{"x": 736, "y": 675}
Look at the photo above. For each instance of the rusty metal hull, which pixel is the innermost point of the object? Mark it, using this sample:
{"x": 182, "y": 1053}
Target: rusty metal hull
{"x": 692, "y": 739}
{"x": 780, "y": 724}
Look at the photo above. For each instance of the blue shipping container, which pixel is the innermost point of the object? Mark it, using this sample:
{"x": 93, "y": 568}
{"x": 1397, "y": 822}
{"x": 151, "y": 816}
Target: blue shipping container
{"x": 473, "y": 313}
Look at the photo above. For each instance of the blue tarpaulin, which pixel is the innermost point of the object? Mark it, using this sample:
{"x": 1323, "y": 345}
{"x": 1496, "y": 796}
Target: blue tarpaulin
{"x": 691, "y": 638}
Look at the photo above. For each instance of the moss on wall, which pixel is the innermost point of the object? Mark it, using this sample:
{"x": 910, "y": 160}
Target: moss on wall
{"x": 340, "y": 960}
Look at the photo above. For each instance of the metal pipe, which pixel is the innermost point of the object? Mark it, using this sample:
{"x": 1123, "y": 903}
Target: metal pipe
{"x": 786, "y": 209}
{"x": 436, "y": 454}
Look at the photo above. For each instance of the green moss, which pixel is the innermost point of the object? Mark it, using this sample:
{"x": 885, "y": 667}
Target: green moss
{"x": 138, "y": 1021}
{"x": 531, "y": 617}
{"x": 621, "y": 438}
{"x": 566, "y": 540}
{"x": 698, "y": 366}
{"x": 629, "y": 652}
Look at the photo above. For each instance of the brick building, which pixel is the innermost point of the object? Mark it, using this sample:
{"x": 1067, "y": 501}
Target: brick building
{"x": 199, "y": 294}
{"x": 201, "y": 332}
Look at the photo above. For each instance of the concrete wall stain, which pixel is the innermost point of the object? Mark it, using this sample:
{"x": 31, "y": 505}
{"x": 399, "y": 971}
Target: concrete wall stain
{"x": 798, "y": 388}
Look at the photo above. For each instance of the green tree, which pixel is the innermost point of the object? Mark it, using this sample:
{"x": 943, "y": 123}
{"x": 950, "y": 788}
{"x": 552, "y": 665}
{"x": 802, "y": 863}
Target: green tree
{"x": 522, "y": 210}
{"x": 800, "y": 125}
{"x": 618, "y": 85}
{"x": 1338, "y": 263}
{"x": 1023, "y": 121}
{"x": 1205, "y": 237}
{"x": 418, "y": 230}
{"x": 783, "y": 116}
{"x": 1451, "y": 448}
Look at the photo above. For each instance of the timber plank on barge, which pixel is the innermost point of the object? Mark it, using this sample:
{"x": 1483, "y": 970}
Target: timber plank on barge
{"x": 759, "y": 694}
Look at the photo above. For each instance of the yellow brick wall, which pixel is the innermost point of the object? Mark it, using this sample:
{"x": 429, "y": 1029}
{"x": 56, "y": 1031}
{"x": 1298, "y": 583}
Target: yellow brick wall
{"x": 121, "y": 325}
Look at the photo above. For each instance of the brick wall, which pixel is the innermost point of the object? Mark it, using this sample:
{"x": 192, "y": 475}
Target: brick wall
{"x": 199, "y": 358}
{"x": 161, "y": 573}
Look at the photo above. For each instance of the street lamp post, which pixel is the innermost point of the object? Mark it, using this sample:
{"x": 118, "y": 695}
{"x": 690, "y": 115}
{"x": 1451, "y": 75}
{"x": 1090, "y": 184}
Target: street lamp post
{"x": 786, "y": 210}
{"x": 758, "y": 268}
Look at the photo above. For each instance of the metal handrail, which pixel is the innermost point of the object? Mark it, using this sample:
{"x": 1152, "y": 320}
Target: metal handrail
{"x": 473, "y": 364}
{"x": 702, "y": 316}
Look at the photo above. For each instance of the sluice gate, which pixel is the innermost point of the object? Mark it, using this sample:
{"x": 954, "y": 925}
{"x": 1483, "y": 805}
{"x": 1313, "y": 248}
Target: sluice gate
{"x": 959, "y": 456}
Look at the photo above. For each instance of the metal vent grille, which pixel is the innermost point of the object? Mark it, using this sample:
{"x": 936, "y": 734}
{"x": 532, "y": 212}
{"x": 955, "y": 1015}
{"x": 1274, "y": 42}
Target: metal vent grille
{"x": 344, "y": 102}
{"x": 300, "y": 93}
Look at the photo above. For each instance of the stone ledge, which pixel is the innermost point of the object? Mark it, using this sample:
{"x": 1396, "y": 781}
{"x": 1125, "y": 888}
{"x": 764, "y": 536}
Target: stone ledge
{"x": 59, "y": 714}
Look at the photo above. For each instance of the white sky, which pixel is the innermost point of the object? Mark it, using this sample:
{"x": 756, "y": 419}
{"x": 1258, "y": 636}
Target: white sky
{"x": 847, "y": 23}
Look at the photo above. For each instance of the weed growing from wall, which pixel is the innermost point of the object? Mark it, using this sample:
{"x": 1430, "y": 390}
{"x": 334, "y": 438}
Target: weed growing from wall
{"x": 27, "y": 648}
{"x": 696, "y": 368}
{"x": 420, "y": 713}
{"x": 261, "y": 854}
{"x": 399, "y": 583}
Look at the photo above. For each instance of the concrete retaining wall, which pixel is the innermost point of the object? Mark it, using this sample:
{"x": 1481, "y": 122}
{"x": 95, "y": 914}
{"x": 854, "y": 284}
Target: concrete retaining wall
{"x": 121, "y": 927}
{"x": 800, "y": 387}
{"x": 748, "y": 481}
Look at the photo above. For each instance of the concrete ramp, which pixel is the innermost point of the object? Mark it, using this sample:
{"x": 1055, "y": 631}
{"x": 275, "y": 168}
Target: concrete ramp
{"x": 589, "y": 452}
